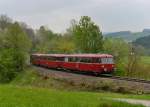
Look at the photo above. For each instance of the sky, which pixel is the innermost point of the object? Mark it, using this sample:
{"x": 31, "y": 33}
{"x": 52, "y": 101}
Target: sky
{"x": 110, "y": 15}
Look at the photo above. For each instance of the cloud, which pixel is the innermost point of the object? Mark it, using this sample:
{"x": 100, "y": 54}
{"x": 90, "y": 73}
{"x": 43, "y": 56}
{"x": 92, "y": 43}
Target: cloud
{"x": 110, "y": 15}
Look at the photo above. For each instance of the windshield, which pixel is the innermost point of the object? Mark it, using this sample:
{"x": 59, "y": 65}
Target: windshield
{"x": 107, "y": 60}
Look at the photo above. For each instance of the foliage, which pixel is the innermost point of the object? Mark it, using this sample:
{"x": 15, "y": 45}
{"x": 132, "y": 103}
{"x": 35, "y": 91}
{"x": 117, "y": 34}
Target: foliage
{"x": 14, "y": 50}
{"x": 43, "y": 39}
{"x": 88, "y": 37}
{"x": 5, "y": 21}
{"x": 120, "y": 50}
{"x": 48, "y": 42}
{"x": 17, "y": 40}
{"x": 64, "y": 44}
{"x": 127, "y": 57}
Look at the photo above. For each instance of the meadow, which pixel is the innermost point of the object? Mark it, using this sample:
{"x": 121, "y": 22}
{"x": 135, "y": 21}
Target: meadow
{"x": 146, "y": 60}
{"x": 25, "y": 96}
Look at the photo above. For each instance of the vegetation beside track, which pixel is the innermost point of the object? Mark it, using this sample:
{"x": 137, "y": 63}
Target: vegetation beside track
{"x": 76, "y": 82}
{"x": 145, "y": 60}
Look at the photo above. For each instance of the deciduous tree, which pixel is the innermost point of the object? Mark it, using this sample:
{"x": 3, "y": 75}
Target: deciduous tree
{"x": 88, "y": 37}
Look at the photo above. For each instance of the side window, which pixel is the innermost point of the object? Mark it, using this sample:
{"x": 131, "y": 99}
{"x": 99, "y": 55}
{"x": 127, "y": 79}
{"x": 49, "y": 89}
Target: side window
{"x": 96, "y": 60}
{"x": 72, "y": 59}
{"x": 104, "y": 60}
{"x": 40, "y": 58}
{"x": 51, "y": 58}
{"x": 66, "y": 59}
{"x": 107, "y": 60}
{"x": 110, "y": 60}
{"x": 60, "y": 59}
{"x": 86, "y": 60}
{"x": 55, "y": 58}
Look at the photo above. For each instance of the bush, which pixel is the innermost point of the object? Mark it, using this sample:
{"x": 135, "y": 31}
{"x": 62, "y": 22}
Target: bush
{"x": 14, "y": 49}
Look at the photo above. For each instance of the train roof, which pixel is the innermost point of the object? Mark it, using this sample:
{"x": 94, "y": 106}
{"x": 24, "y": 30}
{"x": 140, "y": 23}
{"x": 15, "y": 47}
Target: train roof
{"x": 77, "y": 55}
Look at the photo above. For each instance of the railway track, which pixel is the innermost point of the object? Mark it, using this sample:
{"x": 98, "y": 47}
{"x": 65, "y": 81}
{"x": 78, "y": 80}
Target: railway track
{"x": 90, "y": 82}
{"x": 101, "y": 76}
{"x": 127, "y": 79}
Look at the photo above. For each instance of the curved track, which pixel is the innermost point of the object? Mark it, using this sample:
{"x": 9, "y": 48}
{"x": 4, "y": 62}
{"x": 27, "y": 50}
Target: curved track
{"x": 79, "y": 81}
{"x": 127, "y": 79}
{"x": 103, "y": 76}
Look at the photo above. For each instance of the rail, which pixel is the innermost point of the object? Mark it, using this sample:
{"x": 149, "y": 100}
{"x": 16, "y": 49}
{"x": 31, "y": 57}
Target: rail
{"x": 126, "y": 78}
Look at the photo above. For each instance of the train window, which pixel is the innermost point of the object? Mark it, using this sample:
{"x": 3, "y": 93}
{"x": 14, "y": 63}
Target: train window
{"x": 66, "y": 59}
{"x": 86, "y": 60}
{"x": 39, "y": 58}
{"x": 78, "y": 59}
{"x": 45, "y": 58}
{"x": 60, "y": 59}
{"x": 55, "y": 58}
{"x": 96, "y": 60}
{"x": 72, "y": 59}
{"x": 103, "y": 60}
{"x": 107, "y": 60}
{"x": 51, "y": 58}
{"x": 110, "y": 60}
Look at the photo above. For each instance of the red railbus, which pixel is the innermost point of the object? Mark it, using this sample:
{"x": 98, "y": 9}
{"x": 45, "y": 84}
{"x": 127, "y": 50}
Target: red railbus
{"x": 94, "y": 63}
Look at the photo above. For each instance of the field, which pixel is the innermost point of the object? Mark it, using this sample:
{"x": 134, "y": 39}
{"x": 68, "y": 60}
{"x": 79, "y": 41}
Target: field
{"x": 27, "y": 91}
{"x": 30, "y": 90}
{"x": 16, "y": 96}
{"x": 146, "y": 59}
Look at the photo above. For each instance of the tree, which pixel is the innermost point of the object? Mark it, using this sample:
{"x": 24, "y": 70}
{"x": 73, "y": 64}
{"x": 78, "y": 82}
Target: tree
{"x": 30, "y": 33}
{"x": 43, "y": 39}
{"x": 120, "y": 50}
{"x": 87, "y": 35}
{"x": 5, "y": 21}
{"x": 15, "y": 48}
{"x": 64, "y": 44}
{"x": 117, "y": 47}
{"x": 134, "y": 59}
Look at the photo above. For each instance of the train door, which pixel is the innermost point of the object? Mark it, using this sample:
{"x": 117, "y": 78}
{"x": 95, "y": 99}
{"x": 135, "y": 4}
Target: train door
{"x": 66, "y": 59}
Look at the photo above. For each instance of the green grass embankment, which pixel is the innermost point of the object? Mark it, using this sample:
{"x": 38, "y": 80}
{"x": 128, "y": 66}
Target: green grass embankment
{"x": 21, "y": 96}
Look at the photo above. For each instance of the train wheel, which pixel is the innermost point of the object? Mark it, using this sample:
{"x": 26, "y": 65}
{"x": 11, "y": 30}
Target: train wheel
{"x": 96, "y": 74}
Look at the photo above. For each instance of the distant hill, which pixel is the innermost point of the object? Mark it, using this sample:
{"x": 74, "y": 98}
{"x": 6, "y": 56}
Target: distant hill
{"x": 144, "y": 42}
{"x": 128, "y": 35}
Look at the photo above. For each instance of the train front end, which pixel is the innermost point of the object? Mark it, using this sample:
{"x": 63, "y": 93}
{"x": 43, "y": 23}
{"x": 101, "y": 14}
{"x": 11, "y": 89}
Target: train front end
{"x": 107, "y": 64}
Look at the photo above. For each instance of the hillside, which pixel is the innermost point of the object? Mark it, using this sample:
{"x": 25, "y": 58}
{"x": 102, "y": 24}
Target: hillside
{"x": 144, "y": 42}
{"x": 128, "y": 35}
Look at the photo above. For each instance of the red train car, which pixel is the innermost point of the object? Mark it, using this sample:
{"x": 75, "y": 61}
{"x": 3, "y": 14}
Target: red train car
{"x": 94, "y": 63}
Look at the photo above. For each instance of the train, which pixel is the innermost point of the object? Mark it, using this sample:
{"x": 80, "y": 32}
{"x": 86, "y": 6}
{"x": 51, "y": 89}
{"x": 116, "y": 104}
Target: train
{"x": 90, "y": 63}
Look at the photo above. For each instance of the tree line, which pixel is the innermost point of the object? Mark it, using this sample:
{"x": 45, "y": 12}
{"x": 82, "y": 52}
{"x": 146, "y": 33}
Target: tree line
{"x": 18, "y": 41}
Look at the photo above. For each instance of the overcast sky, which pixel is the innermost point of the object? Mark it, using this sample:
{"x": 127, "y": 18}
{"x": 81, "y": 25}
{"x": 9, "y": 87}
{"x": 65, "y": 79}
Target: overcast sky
{"x": 110, "y": 15}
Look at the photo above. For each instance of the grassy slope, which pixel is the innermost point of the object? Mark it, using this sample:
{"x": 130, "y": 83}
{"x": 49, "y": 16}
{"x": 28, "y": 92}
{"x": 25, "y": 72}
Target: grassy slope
{"x": 31, "y": 79}
{"x": 22, "y": 96}
{"x": 146, "y": 59}
{"x": 27, "y": 91}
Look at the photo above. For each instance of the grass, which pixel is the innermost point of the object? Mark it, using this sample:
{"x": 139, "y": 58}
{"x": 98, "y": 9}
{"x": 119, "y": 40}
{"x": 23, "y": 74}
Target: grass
{"x": 30, "y": 90}
{"x": 145, "y": 59}
{"x": 25, "y": 96}
{"x": 31, "y": 79}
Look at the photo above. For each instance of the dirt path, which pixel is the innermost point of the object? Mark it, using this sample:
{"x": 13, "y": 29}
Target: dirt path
{"x": 135, "y": 101}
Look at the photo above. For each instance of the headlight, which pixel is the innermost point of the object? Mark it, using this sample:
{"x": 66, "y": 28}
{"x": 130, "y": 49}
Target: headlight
{"x": 105, "y": 69}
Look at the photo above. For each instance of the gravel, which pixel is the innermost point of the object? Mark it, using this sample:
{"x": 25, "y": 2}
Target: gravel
{"x": 95, "y": 83}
